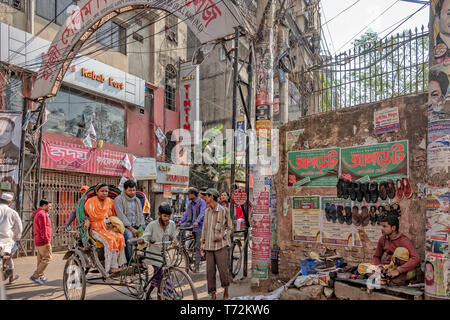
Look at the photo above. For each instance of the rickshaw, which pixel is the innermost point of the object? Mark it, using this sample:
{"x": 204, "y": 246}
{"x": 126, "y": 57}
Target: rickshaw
{"x": 85, "y": 265}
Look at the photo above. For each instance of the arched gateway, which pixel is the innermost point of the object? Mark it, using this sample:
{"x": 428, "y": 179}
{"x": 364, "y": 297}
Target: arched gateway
{"x": 208, "y": 19}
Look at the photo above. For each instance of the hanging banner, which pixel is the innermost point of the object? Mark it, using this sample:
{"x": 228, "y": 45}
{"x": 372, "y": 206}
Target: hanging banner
{"x": 10, "y": 134}
{"x": 379, "y": 162}
{"x": 77, "y": 158}
{"x": 306, "y": 219}
{"x": 335, "y": 231}
{"x": 261, "y": 235}
{"x": 208, "y": 20}
{"x": 190, "y": 96}
{"x": 313, "y": 168}
{"x": 167, "y": 191}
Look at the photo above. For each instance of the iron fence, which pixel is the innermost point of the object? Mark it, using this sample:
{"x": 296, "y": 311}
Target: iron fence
{"x": 374, "y": 71}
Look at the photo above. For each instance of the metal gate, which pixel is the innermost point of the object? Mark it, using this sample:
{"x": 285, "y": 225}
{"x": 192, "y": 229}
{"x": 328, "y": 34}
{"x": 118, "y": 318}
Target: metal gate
{"x": 62, "y": 189}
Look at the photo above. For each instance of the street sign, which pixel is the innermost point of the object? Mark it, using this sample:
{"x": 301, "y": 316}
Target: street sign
{"x": 239, "y": 197}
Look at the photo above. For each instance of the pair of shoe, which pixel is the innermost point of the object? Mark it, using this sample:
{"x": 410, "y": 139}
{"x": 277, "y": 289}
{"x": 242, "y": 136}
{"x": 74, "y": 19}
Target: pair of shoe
{"x": 387, "y": 209}
{"x": 40, "y": 281}
{"x": 403, "y": 188}
{"x": 387, "y": 189}
{"x": 357, "y": 191}
{"x": 362, "y": 218}
{"x": 330, "y": 212}
{"x": 344, "y": 215}
{"x": 374, "y": 216}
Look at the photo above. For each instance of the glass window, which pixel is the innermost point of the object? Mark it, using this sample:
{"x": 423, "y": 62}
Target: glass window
{"x": 17, "y": 4}
{"x": 72, "y": 110}
{"x": 170, "y": 87}
{"x": 46, "y": 9}
{"x": 54, "y": 9}
{"x": 62, "y": 12}
{"x": 113, "y": 36}
{"x": 13, "y": 94}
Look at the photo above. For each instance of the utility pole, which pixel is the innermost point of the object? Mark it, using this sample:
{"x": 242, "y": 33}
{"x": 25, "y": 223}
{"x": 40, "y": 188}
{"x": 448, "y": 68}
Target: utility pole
{"x": 233, "y": 124}
{"x": 263, "y": 124}
{"x": 438, "y": 175}
{"x": 283, "y": 84}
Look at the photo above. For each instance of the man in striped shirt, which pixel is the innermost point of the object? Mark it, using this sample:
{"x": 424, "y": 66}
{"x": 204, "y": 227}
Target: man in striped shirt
{"x": 215, "y": 243}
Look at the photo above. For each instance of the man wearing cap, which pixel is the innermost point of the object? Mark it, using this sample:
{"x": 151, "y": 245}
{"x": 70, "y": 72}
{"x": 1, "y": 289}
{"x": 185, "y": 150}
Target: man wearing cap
{"x": 10, "y": 232}
{"x": 73, "y": 214}
{"x": 215, "y": 243}
{"x": 194, "y": 216}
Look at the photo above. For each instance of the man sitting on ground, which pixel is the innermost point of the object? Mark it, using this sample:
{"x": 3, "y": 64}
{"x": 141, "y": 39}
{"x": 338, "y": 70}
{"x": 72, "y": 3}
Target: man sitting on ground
{"x": 406, "y": 258}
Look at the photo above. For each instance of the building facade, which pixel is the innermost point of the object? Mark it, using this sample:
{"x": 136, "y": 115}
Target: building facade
{"x": 123, "y": 85}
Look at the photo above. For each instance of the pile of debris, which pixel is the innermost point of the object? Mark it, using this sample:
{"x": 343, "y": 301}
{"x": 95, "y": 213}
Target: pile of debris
{"x": 316, "y": 281}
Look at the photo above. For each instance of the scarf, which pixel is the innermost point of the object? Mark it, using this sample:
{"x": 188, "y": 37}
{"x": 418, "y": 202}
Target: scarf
{"x": 125, "y": 199}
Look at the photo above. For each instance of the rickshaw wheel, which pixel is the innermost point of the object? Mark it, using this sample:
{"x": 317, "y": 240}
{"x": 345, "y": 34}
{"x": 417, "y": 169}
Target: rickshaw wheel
{"x": 74, "y": 279}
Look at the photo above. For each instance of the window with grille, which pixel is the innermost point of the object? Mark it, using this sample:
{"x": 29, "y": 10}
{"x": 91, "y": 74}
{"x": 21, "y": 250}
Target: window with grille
{"x": 170, "y": 87}
{"x": 172, "y": 28}
{"x": 16, "y": 4}
{"x": 113, "y": 36}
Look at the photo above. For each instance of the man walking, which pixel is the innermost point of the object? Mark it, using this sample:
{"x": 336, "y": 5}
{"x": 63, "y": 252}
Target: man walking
{"x": 10, "y": 232}
{"x": 215, "y": 243}
{"x": 129, "y": 210}
{"x": 42, "y": 234}
{"x": 194, "y": 216}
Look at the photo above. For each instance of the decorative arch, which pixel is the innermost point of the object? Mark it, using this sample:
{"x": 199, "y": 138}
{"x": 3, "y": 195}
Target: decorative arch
{"x": 208, "y": 19}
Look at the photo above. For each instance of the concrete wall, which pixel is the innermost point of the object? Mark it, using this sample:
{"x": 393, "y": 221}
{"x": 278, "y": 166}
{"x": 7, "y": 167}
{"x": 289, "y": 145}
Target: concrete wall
{"x": 345, "y": 128}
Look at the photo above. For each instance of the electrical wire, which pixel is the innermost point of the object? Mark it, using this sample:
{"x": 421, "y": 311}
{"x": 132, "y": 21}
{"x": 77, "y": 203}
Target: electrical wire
{"x": 329, "y": 33}
{"x": 354, "y": 3}
{"x": 100, "y": 50}
{"x": 368, "y": 25}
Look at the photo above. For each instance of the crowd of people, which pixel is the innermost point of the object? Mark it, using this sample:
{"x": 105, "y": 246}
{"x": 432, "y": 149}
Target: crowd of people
{"x": 113, "y": 222}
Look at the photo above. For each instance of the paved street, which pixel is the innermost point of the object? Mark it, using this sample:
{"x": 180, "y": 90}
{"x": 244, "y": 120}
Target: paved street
{"x": 25, "y": 289}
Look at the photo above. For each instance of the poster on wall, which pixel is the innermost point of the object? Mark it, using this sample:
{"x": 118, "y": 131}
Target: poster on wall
{"x": 261, "y": 236}
{"x": 378, "y": 162}
{"x": 335, "y": 228}
{"x": 438, "y": 149}
{"x": 306, "y": 219}
{"x": 292, "y": 137}
{"x": 386, "y": 120}
{"x": 10, "y": 134}
{"x": 313, "y": 168}
{"x": 436, "y": 279}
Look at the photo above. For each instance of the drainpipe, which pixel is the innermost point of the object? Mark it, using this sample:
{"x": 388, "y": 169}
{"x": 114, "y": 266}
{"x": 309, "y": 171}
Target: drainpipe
{"x": 30, "y": 18}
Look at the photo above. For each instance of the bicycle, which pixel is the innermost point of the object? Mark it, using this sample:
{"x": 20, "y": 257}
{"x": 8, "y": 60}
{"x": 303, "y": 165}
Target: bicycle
{"x": 185, "y": 251}
{"x": 236, "y": 255}
{"x": 175, "y": 284}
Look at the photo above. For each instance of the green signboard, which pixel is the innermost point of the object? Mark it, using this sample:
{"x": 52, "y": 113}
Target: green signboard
{"x": 313, "y": 168}
{"x": 378, "y": 162}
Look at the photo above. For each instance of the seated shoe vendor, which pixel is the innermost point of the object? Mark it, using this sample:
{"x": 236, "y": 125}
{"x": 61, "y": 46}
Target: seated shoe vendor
{"x": 400, "y": 255}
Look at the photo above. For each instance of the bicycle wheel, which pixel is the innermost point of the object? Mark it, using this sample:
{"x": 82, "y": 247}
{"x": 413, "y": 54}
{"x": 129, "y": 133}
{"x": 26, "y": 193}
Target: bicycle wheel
{"x": 173, "y": 256}
{"x": 176, "y": 285}
{"x": 236, "y": 257}
{"x": 74, "y": 279}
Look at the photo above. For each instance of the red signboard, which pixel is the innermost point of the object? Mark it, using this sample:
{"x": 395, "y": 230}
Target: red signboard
{"x": 239, "y": 197}
{"x": 77, "y": 158}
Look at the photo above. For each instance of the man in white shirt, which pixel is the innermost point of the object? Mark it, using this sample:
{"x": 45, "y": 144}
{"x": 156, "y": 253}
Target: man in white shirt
{"x": 10, "y": 232}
